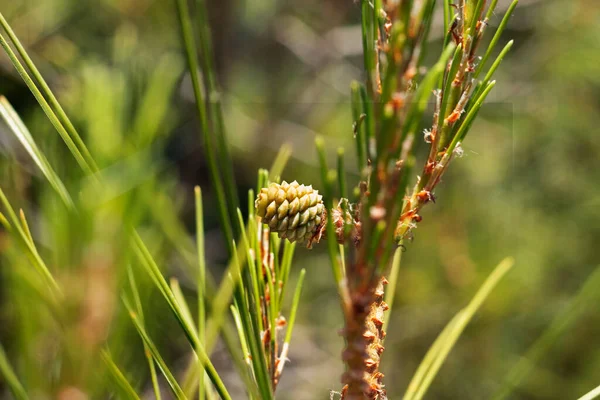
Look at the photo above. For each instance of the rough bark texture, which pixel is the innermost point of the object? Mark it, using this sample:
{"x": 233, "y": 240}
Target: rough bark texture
{"x": 364, "y": 345}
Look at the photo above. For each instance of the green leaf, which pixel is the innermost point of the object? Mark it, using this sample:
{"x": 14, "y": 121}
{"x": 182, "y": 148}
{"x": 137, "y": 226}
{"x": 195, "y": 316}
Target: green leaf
{"x": 368, "y": 26}
{"x": 328, "y": 191}
{"x": 33, "y": 254}
{"x": 490, "y": 48}
{"x": 587, "y": 296}
{"x": 17, "y": 126}
{"x": 153, "y": 271}
{"x": 496, "y": 64}
{"x": 225, "y": 162}
{"x": 149, "y": 344}
{"x": 119, "y": 377}
{"x": 253, "y": 336}
{"x": 10, "y": 378}
{"x": 447, "y": 15}
{"x": 390, "y": 291}
{"x": 283, "y": 155}
{"x": 83, "y": 163}
{"x": 201, "y": 283}
{"x": 594, "y": 394}
{"x": 473, "y": 13}
{"x": 471, "y": 114}
{"x": 226, "y": 209}
{"x": 138, "y": 306}
{"x": 419, "y": 104}
{"x": 290, "y": 325}
{"x": 54, "y": 111}
{"x": 295, "y": 303}
{"x": 358, "y": 121}
{"x": 450, "y": 97}
{"x": 442, "y": 346}
{"x": 341, "y": 174}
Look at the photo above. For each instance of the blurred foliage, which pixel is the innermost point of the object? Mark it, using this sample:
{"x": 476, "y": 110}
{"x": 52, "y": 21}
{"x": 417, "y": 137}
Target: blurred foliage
{"x": 526, "y": 188}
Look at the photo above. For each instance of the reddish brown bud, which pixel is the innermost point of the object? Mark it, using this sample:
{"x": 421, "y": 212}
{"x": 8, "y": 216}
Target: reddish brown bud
{"x": 377, "y": 321}
{"x": 368, "y": 335}
{"x": 452, "y": 118}
{"x": 425, "y": 196}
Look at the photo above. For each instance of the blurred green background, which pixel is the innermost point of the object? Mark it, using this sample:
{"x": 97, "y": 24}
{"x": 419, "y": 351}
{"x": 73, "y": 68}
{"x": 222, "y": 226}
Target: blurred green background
{"x": 527, "y": 187}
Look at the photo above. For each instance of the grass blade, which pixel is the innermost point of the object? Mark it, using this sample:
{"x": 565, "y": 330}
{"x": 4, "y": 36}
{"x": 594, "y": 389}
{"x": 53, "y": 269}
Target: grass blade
{"x": 496, "y": 37}
{"x": 341, "y": 174}
{"x": 210, "y": 149}
{"x": 449, "y": 92}
{"x": 430, "y": 357}
{"x": 390, "y": 291}
{"x": 587, "y": 295}
{"x": 447, "y": 15}
{"x": 83, "y": 163}
{"x": 180, "y": 299}
{"x": 496, "y": 64}
{"x": 331, "y": 239}
{"x": 201, "y": 283}
{"x": 491, "y": 9}
{"x": 229, "y": 339}
{"x": 439, "y": 351}
{"x": 241, "y": 335}
{"x": 419, "y": 104}
{"x": 283, "y": 155}
{"x": 10, "y": 378}
{"x": 17, "y": 126}
{"x": 152, "y": 269}
{"x": 215, "y": 106}
{"x": 368, "y": 42}
{"x": 476, "y": 7}
{"x": 36, "y": 259}
{"x": 357, "y": 121}
{"x": 119, "y": 377}
{"x": 253, "y": 336}
{"x": 285, "y": 266}
{"x": 471, "y": 114}
{"x": 154, "y": 351}
{"x": 594, "y": 394}
{"x": 220, "y": 305}
{"x": 222, "y": 299}
{"x": 62, "y": 116}
{"x": 140, "y": 313}
{"x": 290, "y": 326}
{"x": 369, "y": 125}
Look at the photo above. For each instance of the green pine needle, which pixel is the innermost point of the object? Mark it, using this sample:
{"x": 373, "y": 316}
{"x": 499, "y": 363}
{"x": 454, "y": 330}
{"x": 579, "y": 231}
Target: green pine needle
{"x": 10, "y": 378}
{"x": 442, "y": 346}
{"x": 126, "y": 389}
{"x": 17, "y": 126}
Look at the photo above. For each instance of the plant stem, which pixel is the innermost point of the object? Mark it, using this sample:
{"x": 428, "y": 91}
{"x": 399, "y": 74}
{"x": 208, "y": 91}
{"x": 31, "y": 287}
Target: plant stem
{"x": 364, "y": 344}
{"x": 210, "y": 148}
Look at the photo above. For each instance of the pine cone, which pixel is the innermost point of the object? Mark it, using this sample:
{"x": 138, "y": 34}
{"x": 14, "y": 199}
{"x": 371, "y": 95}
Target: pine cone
{"x": 296, "y": 212}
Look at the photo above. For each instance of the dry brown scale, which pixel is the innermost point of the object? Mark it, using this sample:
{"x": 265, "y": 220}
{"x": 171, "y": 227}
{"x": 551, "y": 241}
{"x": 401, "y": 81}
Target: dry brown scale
{"x": 364, "y": 347}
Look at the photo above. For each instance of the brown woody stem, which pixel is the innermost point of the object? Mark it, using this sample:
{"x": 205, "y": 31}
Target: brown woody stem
{"x": 364, "y": 345}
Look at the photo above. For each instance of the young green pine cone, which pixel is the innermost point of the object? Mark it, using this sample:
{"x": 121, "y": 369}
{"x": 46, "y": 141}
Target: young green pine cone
{"x": 296, "y": 212}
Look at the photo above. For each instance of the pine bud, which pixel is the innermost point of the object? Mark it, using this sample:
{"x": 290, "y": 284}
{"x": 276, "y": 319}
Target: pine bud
{"x": 296, "y": 212}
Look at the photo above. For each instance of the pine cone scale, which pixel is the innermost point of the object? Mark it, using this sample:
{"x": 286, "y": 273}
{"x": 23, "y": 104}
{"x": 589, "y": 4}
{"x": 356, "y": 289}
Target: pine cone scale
{"x": 294, "y": 211}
